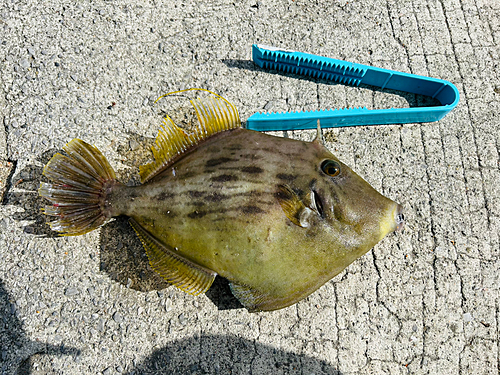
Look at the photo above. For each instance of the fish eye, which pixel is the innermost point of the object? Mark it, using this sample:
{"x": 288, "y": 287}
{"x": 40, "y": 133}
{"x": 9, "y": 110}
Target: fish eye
{"x": 331, "y": 168}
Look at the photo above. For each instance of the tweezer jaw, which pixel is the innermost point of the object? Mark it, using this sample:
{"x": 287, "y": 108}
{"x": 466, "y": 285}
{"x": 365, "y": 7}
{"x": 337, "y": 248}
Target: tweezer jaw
{"x": 351, "y": 74}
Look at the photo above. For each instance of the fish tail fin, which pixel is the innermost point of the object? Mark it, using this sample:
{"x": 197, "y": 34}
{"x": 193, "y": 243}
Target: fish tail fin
{"x": 79, "y": 184}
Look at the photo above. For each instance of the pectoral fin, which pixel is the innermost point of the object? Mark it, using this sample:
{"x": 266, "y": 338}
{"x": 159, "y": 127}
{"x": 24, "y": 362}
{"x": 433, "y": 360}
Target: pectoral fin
{"x": 177, "y": 270}
{"x": 293, "y": 207}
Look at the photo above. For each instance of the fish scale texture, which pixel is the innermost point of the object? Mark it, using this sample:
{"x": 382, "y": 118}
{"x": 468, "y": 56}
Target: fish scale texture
{"x": 424, "y": 301}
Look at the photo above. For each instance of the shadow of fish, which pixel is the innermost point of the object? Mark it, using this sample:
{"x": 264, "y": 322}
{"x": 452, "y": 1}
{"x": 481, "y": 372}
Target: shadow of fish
{"x": 277, "y": 217}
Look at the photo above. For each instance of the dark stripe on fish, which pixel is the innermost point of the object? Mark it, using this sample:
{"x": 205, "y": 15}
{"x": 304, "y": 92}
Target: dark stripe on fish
{"x": 218, "y": 161}
{"x": 247, "y": 170}
{"x": 286, "y": 177}
{"x": 251, "y": 210}
{"x": 163, "y": 196}
{"x": 224, "y": 178}
{"x": 248, "y": 210}
{"x": 236, "y": 147}
{"x": 252, "y": 170}
{"x": 196, "y": 194}
{"x": 197, "y": 203}
{"x": 216, "y": 197}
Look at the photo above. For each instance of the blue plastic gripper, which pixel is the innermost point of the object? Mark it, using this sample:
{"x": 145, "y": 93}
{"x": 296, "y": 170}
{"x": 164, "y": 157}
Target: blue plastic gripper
{"x": 351, "y": 74}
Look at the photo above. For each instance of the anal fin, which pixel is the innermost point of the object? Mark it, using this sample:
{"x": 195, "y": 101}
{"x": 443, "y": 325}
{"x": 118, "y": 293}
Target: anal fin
{"x": 174, "y": 268}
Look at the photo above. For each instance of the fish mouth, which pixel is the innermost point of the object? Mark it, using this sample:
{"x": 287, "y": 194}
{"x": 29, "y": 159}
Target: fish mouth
{"x": 399, "y": 218}
{"x": 393, "y": 222}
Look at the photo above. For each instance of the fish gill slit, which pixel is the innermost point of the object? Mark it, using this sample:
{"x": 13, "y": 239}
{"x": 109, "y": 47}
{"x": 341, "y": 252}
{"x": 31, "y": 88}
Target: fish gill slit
{"x": 318, "y": 203}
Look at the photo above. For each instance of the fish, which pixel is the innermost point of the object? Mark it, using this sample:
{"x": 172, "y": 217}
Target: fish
{"x": 276, "y": 217}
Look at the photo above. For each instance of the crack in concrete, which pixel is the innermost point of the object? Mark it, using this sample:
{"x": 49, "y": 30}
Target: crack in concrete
{"x": 480, "y": 169}
{"x": 432, "y": 226}
{"x": 497, "y": 316}
{"x": 8, "y": 182}
{"x": 414, "y": 357}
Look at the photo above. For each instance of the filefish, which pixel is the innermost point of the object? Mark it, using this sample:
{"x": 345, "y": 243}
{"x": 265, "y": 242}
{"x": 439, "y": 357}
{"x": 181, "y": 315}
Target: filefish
{"x": 276, "y": 217}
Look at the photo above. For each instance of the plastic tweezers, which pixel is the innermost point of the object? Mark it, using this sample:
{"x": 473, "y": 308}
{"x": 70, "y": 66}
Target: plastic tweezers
{"x": 351, "y": 74}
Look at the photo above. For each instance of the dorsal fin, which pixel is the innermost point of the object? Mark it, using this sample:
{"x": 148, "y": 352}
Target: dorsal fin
{"x": 215, "y": 115}
{"x": 319, "y": 136}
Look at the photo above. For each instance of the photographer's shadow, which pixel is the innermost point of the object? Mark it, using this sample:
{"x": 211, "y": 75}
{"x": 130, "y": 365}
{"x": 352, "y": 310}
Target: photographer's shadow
{"x": 228, "y": 354}
{"x": 18, "y": 351}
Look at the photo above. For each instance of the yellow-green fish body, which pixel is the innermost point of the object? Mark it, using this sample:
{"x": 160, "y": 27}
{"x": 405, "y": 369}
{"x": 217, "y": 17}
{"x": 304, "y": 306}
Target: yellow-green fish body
{"x": 277, "y": 217}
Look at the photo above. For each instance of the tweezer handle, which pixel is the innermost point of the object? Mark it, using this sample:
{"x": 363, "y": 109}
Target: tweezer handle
{"x": 352, "y": 74}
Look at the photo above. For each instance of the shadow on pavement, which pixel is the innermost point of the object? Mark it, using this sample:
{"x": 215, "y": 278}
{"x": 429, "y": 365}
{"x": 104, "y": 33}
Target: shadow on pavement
{"x": 227, "y": 354}
{"x": 26, "y": 182}
{"x": 221, "y": 296}
{"x": 16, "y": 350}
{"x": 123, "y": 258}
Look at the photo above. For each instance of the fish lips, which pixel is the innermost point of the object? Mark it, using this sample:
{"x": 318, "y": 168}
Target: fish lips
{"x": 399, "y": 218}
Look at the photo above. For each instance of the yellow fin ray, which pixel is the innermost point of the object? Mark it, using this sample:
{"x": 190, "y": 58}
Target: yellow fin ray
{"x": 215, "y": 115}
{"x": 174, "y": 268}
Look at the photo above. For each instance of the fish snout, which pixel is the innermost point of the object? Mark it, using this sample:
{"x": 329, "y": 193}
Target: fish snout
{"x": 399, "y": 218}
{"x": 393, "y": 220}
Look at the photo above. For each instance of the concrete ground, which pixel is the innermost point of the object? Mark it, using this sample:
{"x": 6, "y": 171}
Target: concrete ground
{"x": 425, "y": 301}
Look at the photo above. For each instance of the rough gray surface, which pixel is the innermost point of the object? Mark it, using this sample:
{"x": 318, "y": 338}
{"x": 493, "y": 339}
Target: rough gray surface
{"x": 423, "y": 302}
